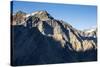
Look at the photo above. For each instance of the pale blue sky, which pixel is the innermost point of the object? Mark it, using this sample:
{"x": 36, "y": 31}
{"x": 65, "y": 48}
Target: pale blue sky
{"x": 79, "y": 16}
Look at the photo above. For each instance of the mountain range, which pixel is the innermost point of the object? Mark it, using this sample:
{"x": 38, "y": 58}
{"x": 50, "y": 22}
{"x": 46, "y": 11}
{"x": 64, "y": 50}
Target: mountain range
{"x": 39, "y": 38}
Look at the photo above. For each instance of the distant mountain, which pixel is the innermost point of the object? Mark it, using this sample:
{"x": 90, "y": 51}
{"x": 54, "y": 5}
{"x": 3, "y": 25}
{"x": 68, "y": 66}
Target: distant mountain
{"x": 38, "y": 38}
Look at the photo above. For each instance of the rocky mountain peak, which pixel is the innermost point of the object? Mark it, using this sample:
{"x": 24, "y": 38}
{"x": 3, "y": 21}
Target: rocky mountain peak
{"x": 43, "y": 15}
{"x": 58, "y": 30}
{"x": 43, "y": 39}
{"x": 21, "y": 12}
{"x": 18, "y": 18}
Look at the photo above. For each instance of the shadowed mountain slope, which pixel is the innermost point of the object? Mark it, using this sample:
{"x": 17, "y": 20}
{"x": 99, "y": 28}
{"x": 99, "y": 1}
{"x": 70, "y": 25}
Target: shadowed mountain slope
{"x": 38, "y": 38}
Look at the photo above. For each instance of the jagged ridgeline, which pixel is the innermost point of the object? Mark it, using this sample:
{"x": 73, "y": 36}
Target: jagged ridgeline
{"x": 38, "y": 38}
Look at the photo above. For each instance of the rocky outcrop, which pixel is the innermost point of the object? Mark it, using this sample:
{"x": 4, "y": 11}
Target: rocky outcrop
{"x": 18, "y": 18}
{"x": 59, "y": 30}
{"x": 56, "y": 40}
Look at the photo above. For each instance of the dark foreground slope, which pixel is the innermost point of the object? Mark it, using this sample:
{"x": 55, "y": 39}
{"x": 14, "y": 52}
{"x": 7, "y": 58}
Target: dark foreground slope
{"x": 29, "y": 46}
{"x": 38, "y": 38}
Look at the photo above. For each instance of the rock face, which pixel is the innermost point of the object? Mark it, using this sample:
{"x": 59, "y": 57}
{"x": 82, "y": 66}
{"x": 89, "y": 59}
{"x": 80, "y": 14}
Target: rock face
{"x": 18, "y": 18}
{"x": 38, "y": 38}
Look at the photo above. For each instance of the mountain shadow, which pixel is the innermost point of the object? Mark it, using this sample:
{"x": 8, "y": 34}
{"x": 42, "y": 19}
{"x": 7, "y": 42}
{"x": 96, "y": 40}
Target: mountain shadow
{"x": 30, "y": 47}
